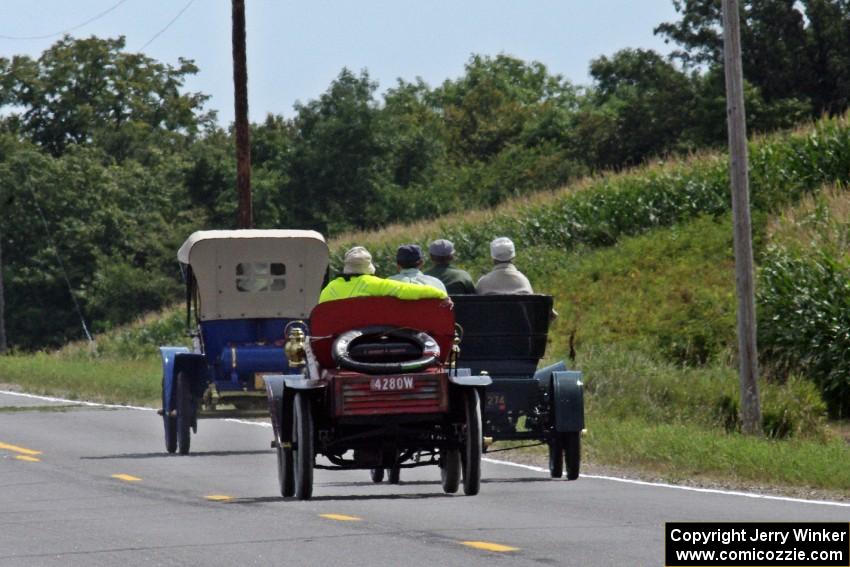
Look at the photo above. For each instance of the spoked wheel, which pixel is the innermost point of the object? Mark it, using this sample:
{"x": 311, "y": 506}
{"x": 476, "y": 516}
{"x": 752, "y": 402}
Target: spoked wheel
{"x": 169, "y": 423}
{"x": 450, "y": 470}
{"x": 184, "y": 413}
{"x": 377, "y": 475}
{"x": 572, "y": 453}
{"x": 472, "y": 444}
{"x": 556, "y": 456}
{"x": 303, "y": 456}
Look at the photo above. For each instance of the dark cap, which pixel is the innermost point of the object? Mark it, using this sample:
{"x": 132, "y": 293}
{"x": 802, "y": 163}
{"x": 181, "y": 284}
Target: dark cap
{"x": 408, "y": 255}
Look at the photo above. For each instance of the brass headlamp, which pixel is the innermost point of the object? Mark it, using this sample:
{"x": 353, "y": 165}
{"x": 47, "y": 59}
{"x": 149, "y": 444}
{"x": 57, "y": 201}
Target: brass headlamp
{"x": 294, "y": 347}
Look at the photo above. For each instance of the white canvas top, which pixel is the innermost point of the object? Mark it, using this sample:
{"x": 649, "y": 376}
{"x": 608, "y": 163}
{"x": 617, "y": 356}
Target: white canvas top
{"x": 247, "y": 274}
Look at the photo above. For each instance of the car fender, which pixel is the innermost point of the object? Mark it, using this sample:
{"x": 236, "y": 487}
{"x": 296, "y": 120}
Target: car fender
{"x": 174, "y": 360}
{"x": 544, "y": 375}
{"x": 464, "y": 377}
{"x": 568, "y": 400}
{"x": 280, "y": 388}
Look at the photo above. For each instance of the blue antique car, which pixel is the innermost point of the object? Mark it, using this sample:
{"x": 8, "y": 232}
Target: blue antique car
{"x": 243, "y": 289}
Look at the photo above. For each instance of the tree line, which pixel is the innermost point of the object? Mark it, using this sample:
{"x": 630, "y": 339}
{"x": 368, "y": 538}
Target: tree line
{"x": 107, "y": 163}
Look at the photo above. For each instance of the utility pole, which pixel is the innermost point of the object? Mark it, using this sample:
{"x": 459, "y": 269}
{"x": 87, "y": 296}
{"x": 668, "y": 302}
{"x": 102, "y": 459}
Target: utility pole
{"x": 240, "y": 92}
{"x": 3, "y": 345}
{"x": 738, "y": 175}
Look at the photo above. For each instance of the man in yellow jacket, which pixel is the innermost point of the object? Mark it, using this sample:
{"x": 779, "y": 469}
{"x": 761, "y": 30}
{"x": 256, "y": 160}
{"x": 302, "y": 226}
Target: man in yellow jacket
{"x": 357, "y": 280}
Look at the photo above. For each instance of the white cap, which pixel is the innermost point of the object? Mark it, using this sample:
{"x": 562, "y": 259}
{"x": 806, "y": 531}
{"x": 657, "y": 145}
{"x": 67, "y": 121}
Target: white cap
{"x": 502, "y": 249}
{"x": 358, "y": 261}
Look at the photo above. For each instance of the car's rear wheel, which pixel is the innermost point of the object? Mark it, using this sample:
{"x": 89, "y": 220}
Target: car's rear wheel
{"x": 184, "y": 413}
{"x": 377, "y": 474}
{"x": 472, "y": 444}
{"x": 394, "y": 474}
{"x": 556, "y": 456}
{"x": 572, "y": 453}
{"x": 169, "y": 425}
{"x": 302, "y": 452}
{"x": 285, "y": 474}
{"x": 450, "y": 470}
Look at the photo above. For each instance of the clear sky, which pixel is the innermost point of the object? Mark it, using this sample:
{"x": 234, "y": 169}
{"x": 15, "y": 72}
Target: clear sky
{"x": 296, "y": 48}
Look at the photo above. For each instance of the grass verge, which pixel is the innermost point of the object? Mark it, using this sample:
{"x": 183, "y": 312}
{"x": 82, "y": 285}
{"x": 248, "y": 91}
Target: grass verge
{"x": 681, "y": 452}
{"x": 689, "y": 454}
{"x": 113, "y": 380}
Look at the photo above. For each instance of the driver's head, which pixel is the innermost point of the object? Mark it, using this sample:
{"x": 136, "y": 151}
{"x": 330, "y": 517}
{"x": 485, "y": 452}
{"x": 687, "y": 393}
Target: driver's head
{"x": 408, "y": 256}
{"x": 358, "y": 261}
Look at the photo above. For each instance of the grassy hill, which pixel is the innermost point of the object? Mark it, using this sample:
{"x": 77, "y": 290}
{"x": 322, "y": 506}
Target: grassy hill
{"x": 640, "y": 265}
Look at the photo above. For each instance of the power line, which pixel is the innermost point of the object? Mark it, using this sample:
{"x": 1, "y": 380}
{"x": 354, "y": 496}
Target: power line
{"x": 168, "y": 25}
{"x": 90, "y": 20}
{"x": 61, "y": 264}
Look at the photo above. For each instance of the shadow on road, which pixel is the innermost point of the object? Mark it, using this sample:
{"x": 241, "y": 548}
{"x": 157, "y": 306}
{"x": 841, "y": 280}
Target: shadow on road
{"x": 162, "y": 455}
{"x": 341, "y": 498}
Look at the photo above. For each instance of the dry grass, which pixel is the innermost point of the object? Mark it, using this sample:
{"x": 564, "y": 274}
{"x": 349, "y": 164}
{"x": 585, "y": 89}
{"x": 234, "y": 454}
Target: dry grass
{"x": 817, "y": 221}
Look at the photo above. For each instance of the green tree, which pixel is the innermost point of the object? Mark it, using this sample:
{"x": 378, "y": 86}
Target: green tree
{"x": 335, "y": 157}
{"x": 642, "y": 105}
{"x": 829, "y": 36}
{"x": 489, "y": 107}
{"x": 90, "y": 91}
{"x": 791, "y": 49}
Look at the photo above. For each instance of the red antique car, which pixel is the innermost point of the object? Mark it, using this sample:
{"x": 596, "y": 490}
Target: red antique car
{"x": 379, "y": 390}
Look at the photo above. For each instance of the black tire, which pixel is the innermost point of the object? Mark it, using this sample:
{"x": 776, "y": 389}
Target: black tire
{"x": 285, "y": 467}
{"x": 285, "y": 472}
{"x": 377, "y": 475}
{"x": 394, "y": 474}
{"x": 169, "y": 425}
{"x": 303, "y": 456}
{"x": 450, "y": 470}
{"x": 184, "y": 413}
{"x": 572, "y": 453}
{"x": 472, "y": 444}
{"x": 556, "y": 456}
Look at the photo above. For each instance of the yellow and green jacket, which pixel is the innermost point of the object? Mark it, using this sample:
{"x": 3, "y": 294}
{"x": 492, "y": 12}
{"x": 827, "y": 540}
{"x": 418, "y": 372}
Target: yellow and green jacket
{"x": 366, "y": 285}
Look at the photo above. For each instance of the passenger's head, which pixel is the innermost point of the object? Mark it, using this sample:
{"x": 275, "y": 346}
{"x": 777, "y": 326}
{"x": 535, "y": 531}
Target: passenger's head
{"x": 442, "y": 251}
{"x": 502, "y": 250}
{"x": 408, "y": 256}
{"x": 358, "y": 261}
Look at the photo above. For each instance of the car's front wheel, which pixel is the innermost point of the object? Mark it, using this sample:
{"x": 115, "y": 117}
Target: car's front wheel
{"x": 303, "y": 451}
{"x": 472, "y": 443}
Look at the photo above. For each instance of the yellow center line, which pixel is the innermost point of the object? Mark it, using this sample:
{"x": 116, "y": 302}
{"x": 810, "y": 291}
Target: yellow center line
{"x": 489, "y": 546}
{"x": 340, "y": 517}
{"x": 27, "y": 458}
{"x": 16, "y": 449}
{"x": 127, "y": 477}
{"x": 218, "y": 497}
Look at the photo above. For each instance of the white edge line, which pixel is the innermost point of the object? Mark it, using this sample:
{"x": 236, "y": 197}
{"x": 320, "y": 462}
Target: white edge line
{"x": 680, "y": 487}
{"x": 75, "y": 402}
{"x": 493, "y": 461}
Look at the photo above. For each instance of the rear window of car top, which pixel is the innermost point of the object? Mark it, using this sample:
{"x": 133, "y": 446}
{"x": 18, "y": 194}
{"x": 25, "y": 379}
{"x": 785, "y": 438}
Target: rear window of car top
{"x": 255, "y": 277}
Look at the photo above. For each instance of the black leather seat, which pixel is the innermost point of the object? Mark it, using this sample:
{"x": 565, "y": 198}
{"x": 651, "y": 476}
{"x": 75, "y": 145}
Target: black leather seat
{"x": 503, "y": 334}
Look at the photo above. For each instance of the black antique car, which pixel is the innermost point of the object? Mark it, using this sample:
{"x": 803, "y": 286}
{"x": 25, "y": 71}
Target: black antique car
{"x": 505, "y": 336}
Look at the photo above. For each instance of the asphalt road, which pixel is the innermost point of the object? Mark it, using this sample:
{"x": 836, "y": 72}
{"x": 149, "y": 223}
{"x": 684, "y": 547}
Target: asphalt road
{"x": 61, "y": 503}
